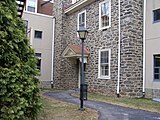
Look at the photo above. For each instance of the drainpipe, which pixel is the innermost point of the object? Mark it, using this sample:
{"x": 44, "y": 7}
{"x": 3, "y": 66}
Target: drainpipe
{"x": 52, "y": 59}
{"x": 31, "y": 32}
{"x": 119, "y": 49}
{"x": 144, "y": 45}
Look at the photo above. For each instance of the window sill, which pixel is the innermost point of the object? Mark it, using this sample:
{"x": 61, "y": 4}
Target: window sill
{"x": 156, "y": 80}
{"x": 105, "y": 77}
{"x": 104, "y": 28}
{"x": 157, "y": 21}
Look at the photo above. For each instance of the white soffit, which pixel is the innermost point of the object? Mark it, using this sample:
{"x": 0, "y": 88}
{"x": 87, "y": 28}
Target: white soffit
{"x": 77, "y": 6}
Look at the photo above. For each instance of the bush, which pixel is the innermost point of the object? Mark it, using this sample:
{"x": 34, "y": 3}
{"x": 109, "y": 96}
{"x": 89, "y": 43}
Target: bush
{"x": 19, "y": 92}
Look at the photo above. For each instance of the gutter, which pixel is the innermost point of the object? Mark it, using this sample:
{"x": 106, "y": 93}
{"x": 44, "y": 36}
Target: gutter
{"x": 53, "y": 38}
{"x": 144, "y": 45}
{"x": 119, "y": 49}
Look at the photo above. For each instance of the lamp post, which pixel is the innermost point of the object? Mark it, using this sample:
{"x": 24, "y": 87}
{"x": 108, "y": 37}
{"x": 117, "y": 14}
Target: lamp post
{"x": 82, "y": 36}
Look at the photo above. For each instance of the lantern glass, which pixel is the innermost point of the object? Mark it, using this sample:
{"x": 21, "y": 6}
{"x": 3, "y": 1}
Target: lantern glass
{"x": 82, "y": 34}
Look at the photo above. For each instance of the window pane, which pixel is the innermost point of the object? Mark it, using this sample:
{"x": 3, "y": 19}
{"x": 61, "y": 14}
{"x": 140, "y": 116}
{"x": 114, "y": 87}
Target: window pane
{"x": 157, "y": 67}
{"x": 105, "y": 13}
{"x": 31, "y": 9}
{"x": 38, "y": 34}
{"x": 105, "y": 9}
{"x": 32, "y": 3}
{"x": 104, "y": 57}
{"x": 38, "y": 54}
{"x": 82, "y": 21}
{"x": 156, "y": 14}
{"x": 156, "y": 76}
{"x": 39, "y": 64}
{"x": 156, "y": 70}
{"x": 157, "y": 60}
{"x": 104, "y": 70}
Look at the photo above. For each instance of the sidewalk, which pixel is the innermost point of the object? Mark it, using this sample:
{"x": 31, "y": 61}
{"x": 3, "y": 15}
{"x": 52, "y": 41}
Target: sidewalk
{"x": 106, "y": 111}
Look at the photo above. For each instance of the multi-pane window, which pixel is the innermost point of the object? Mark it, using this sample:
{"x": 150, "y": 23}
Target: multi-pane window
{"x": 31, "y": 5}
{"x": 38, "y": 34}
{"x": 157, "y": 67}
{"x": 105, "y": 14}
{"x": 82, "y": 20}
{"x": 104, "y": 64}
{"x": 156, "y": 15}
{"x": 38, "y": 55}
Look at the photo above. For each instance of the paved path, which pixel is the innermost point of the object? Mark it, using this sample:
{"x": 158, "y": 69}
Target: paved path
{"x": 106, "y": 111}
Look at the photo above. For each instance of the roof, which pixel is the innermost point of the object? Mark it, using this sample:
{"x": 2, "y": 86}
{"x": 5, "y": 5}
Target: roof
{"x": 74, "y": 51}
{"x": 20, "y": 7}
{"x": 78, "y": 49}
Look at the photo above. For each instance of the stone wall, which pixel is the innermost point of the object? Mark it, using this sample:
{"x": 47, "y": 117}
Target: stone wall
{"x": 66, "y": 72}
{"x": 65, "y": 69}
{"x": 131, "y": 48}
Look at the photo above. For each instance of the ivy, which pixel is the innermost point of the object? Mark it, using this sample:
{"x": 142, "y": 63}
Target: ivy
{"x": 19, "y": 92}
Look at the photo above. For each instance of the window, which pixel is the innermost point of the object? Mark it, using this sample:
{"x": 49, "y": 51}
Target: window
{"x": 38, "y": 55}
{"x": 38, "y": 34}
{"x": 104, "y": 64}
{"x": 81, "y": 20}
{"x": 32, "y": 5}
{"x": 156, "y": 15}
{"x": 105, "y": 14}
{"x": 157, "y": 67}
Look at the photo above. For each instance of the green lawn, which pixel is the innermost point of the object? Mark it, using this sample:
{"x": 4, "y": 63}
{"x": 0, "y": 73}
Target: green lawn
{"x": 138, "y": 103}
{"x": 58, "y": 110}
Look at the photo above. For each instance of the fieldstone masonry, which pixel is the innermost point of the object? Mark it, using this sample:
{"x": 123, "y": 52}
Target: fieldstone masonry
{"x": 66, "y": 70}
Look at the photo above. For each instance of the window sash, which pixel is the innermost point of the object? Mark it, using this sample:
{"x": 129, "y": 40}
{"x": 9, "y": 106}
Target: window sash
{"x": 104, "y": 64}
{"x": 156, "y": 15}
{"x": 157, "y": 67}
{"x": 81, "y": 24}
{"x": 31, "y": 5}
{"x": 105, "y": 14}
{"x": 38, "y": 34}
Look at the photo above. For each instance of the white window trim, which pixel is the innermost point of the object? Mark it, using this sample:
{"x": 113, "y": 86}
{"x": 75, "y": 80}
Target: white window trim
{"x": 99, "y": 64}
{"x": 51, "y": 1}
{"x": 101, "y": 28}
{"x": 84, "y": 19}
{"x": 36, "y": 3}
{"x": 74, "y": 1}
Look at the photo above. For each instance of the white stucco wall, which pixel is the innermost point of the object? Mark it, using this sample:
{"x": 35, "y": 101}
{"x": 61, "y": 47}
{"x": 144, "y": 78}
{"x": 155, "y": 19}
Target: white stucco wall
{"x": 44, "y": 46}
{"x": 152, "y": 43}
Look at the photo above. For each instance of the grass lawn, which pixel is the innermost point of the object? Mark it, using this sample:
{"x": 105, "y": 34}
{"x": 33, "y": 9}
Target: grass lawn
{"x": 57, "y": 110}
{"x": 137, "y": 103}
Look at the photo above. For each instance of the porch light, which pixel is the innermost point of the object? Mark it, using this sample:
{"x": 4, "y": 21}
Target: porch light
{"x": 82, "y": 34}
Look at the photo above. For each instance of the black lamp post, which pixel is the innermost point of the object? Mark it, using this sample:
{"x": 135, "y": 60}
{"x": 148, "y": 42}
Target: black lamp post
{"x": 82, "y": 36}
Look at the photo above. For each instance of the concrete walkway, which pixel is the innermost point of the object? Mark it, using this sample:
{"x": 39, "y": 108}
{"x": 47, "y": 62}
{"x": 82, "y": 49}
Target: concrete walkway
{"x": 106, "y": 111}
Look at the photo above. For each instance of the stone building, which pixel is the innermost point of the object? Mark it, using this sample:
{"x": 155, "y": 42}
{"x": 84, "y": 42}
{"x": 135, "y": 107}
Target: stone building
{"x": 40, "y": 30}
{"x": 114, "y": 46}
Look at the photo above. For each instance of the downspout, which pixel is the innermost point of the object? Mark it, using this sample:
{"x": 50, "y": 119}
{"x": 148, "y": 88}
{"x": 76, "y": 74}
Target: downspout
{"x": 119, "y": 48}
{"x": 144, "y": 45}
{"x": 52, "y": 59}
{"x": 31, "y": 32}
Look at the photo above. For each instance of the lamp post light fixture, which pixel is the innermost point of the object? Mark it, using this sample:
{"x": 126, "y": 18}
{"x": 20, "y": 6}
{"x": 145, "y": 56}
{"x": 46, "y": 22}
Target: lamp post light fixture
{"x": 82, "y": 35}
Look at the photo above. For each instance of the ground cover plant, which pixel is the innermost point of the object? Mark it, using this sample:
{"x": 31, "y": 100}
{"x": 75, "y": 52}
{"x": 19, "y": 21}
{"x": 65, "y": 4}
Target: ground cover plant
{"x": 19, "y": 97}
